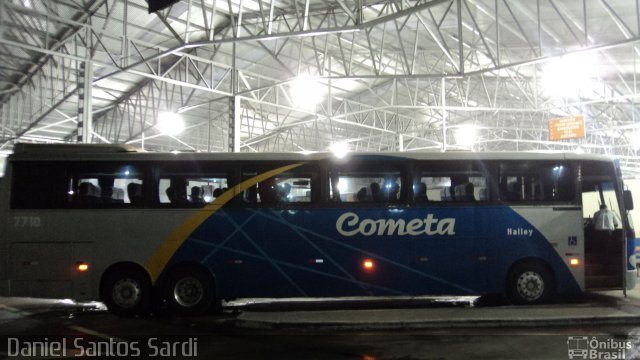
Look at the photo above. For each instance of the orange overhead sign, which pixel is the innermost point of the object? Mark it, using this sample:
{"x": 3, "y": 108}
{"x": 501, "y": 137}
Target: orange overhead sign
{"x": 570, "y": 127}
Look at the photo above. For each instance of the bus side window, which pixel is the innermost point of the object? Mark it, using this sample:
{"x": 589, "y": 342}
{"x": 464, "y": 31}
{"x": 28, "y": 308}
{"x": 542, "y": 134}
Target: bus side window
{"x": 267, "y": 191}
{"x": 106, "y": 187}
{"x": 335, "y": 187}
{"x": 465, "y": 192}
{"x": 366, "y": 183}
{"x": 181, "y": 189}
{"x": 251, "y": 194}
{"x": 444, "y": 182}
{"x": 134, "y": 191}
{"x": 40, "y": 185}
{"x": 376, "y": 194}
{"x": 420, "y": 193}
{"x": 445, "y": 194}
{"x": 197, "y": 195}
{"x": 294, "y": 186}
{"x": 88, "y": 193}
{"x": 511, "y": 188}
{"x": 117, "y": 195}
{"x": 536, "y": 182}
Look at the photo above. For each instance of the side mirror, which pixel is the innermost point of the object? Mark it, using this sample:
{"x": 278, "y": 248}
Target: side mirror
{"x": 628, "y": 200}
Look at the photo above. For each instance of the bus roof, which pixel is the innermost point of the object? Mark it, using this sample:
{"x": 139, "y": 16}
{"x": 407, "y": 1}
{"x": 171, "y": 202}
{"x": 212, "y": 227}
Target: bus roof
{"x": 105, "y": 152}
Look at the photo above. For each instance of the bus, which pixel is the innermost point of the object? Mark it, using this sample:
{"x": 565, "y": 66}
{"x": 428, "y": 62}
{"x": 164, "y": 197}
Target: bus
{"x": 184, "y": 231}
{"x": 578, "y": 347}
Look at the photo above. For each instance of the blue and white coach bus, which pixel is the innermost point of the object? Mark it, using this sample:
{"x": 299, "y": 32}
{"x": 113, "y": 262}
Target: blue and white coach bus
{"x": 133, "y": 228}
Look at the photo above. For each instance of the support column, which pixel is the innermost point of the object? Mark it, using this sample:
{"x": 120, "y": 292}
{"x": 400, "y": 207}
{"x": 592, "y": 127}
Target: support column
{"x": 234, "y": 124}
{"x": 460, "y": 41}
{"x": 443, "y": 96}
{"x": 85, "y": 120}
{"x": 4, "y": 113}
{"x": 234, "y": 107}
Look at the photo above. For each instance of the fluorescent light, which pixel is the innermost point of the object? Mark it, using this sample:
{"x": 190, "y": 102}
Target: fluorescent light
{"x": 306, "y": 92}
{"x": 339, "y": 149}
{"x": 170, "y": 123}
{"x": 570, "y": 75}
{"x": 466, "y": 135}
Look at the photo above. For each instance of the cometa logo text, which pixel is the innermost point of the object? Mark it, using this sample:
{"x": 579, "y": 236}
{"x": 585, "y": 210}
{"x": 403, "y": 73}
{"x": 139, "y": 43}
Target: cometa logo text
{"x": 349, "y": 224}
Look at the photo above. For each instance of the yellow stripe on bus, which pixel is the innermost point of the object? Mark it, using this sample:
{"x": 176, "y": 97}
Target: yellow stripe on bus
{"x": 161, "y": 257}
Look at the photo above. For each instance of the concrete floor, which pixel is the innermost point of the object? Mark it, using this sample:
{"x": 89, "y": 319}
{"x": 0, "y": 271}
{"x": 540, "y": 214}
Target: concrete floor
{"x": 417, "y": 328}
{"x": 601, "y": 308}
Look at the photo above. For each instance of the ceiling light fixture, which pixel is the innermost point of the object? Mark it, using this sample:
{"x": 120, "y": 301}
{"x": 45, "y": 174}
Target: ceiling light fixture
{"x": 170, "y": 123}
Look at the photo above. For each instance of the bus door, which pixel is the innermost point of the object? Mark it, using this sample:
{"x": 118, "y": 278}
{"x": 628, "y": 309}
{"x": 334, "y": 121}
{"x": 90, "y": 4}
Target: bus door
{"x": 603, "y": 232}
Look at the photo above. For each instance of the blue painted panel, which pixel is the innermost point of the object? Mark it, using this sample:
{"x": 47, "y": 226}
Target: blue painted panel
{"x": 320, "y": 252}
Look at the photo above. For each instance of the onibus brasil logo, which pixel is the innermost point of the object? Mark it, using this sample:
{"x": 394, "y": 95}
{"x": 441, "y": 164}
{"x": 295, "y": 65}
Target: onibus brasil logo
{"x": 583, "y": 347}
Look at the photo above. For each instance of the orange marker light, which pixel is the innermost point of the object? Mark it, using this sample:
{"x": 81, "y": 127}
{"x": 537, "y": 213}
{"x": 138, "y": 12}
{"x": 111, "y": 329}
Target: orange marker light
{"x": 574, "y": 262}
{"x": 367, "y": 264}
{"x": 82, "y": 266}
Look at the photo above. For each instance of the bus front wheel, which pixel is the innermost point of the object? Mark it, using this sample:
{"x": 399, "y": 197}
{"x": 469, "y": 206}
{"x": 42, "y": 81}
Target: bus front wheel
{"x": 127, "y": 292}
{"x": 189, "y": 291}
{"x": 530, "y": 283}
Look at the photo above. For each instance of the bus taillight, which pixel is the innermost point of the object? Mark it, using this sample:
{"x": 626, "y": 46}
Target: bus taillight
{"x": 368, "y": 264}
{"x": 574, "y": 262}
{"x": 82, "y": 266}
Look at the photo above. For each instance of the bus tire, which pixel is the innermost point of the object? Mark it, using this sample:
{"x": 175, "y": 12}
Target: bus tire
{"x": 189, "y": 291}
{"x": 127, "y": 292}
{"x": 530, "y": 283}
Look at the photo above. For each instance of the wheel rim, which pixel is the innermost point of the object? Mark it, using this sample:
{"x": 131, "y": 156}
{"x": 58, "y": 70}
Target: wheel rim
{"x": 188, "y": 292}
{"x": 530, "y": 286}
{"x": 126, "y": 293}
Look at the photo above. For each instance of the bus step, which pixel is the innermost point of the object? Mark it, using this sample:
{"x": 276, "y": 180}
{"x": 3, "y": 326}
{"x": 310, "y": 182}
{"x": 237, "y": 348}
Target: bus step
{"x": 602, "y": 281}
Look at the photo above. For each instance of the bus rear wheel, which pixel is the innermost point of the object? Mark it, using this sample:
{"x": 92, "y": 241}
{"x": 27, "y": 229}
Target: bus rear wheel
{"x": 530, "y": 283}
{"x": 189, "y": 291}
{"x": 127, "y": 292}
